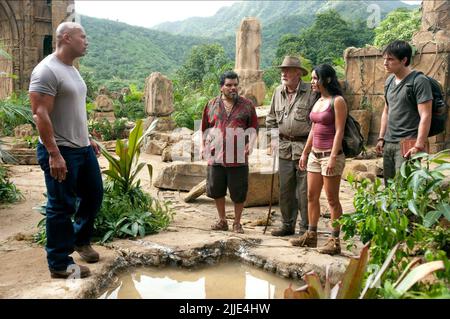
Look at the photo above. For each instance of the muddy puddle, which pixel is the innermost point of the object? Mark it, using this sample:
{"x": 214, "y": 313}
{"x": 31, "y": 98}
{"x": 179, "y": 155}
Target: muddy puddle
{"x": 230, "y": 280}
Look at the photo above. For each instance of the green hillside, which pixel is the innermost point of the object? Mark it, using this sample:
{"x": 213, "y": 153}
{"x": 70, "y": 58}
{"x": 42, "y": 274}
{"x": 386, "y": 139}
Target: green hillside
{"x": 122, "y": 53}
{"x": 226, "y": 20}
{"x": 127, "y": 52}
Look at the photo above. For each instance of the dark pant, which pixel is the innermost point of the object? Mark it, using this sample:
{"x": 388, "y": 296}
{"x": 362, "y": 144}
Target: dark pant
{"x": 392, "y": 160}
{"x": 80, "y": 195}
{"x": 293, "y": 194}
{"x": 218, "y": 178}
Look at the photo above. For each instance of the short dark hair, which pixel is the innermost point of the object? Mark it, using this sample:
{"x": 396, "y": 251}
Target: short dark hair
{"x": 228, "y": 75}
{"x": 328, "y": 79}
{"x": 400, "y": 50}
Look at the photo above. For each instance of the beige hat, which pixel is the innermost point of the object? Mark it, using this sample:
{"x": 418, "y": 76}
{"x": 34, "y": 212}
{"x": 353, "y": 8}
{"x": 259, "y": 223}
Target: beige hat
{"x": 293, "y": 62}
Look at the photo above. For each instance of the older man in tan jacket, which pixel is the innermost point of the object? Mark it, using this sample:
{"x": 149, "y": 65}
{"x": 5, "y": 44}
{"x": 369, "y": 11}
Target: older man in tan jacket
{"x": 289, "y": 113}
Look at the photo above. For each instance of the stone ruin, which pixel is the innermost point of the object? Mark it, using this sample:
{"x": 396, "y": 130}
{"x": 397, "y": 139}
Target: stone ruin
{"x": 26, "y": 32}
{"x": 18, "y": 148}
{"x": 365, "y": 74}
{"x": 158, "y": 98}
{"x": 103, "y": 106}
{"x": 248, "y": 44}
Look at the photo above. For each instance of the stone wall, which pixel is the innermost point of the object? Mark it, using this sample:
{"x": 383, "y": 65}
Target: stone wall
{"x": 365, "y": 74}
{"x": 27, "y": 34}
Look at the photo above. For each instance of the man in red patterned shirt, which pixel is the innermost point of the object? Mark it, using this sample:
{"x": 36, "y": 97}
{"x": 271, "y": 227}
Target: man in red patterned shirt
{"x": 229, "y": 130}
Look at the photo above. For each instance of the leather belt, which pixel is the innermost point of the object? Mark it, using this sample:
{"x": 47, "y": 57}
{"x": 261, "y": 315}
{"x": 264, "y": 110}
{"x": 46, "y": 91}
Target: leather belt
{"x": 293, "y": 138}
{"x": 320, "y": 155}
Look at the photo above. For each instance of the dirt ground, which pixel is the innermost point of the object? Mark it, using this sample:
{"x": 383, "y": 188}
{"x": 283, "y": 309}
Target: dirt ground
{"x": 24, "y": 268}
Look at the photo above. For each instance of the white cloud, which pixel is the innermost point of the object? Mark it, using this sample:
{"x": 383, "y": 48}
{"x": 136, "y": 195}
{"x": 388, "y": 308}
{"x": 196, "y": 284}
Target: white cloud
{"x": 148, "y": 13}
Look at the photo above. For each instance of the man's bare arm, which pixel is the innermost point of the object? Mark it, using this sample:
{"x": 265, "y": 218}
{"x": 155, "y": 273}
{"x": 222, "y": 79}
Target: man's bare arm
{"x": 42, "y": 106}
{"x": 424, "y": 127}
{"x": 384, "y": 120}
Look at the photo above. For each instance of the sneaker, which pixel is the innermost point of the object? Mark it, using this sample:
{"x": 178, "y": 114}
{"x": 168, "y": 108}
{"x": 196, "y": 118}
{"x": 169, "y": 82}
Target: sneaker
{"x": 332, "y": 247}
{"x": 220, "y": 225}
{"x": 71, "y": 270}
{"x": 237, "y": 228}
{"x": 308, "y": 239}
{"x": 282, "y": 232}
{"x": 87, "y": 253}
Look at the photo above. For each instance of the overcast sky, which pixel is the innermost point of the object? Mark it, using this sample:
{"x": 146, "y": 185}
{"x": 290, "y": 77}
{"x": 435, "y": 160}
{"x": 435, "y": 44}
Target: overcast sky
{"x": 150, "y": 13}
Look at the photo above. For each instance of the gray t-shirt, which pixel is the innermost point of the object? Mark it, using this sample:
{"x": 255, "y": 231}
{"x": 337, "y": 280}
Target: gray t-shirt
{"x": 68, "y": 117}
{"x": 403, "y": 115}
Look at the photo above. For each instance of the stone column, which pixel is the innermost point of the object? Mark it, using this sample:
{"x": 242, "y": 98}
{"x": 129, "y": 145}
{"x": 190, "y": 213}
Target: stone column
{"x": 433, "y": 57}
{"x": 435, "y": 22}
{"x": 104, "y": 108}
{"x": 248, "y": 44}
{"x": 158, "y": 101}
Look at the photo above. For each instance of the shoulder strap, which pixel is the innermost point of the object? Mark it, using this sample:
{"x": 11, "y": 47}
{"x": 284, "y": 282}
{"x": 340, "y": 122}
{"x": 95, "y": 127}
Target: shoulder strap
{"x": 386, "y": 87}
{"x": 416, "y": 74}
{"x": 332, "y": 102}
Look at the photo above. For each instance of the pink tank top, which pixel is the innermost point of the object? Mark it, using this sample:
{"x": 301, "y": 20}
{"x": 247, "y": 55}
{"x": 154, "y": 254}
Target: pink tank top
{"x": 324, "y": 128}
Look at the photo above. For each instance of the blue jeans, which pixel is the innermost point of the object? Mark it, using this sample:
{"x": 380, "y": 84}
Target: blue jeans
{"x": 80, "y": 195}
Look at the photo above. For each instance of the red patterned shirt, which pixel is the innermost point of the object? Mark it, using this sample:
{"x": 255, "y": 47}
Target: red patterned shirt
{"x": 226, "y": 136}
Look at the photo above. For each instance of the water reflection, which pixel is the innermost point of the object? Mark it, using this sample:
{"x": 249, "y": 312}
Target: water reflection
{"x": 224, "y": 281}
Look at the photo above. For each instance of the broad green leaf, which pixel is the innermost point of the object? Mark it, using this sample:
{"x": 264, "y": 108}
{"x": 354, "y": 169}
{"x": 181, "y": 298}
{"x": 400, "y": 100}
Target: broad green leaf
{"x": 135, "y": 134}
{"x": 403, "y": 170}
{"x": 125, "y": 229}
{"x": 446, "y": 212}
{"x": 135, "y": 229}
{"x": 412, "y": 207}
{"x": 418, "y": 274}
{"x": 107, "y": 236}
{"x": 443, "y": 167}
{"x": 119, "y": 147}
{"x": 379, "y": 274}
{"x": 431, "y": 218}
{"x": 141, "y": 231}
{"x": 112, "y": 174}
{"x": 136, "y": 171}
{"x": 441, "y": 156}
{"x": 150, "y": 129}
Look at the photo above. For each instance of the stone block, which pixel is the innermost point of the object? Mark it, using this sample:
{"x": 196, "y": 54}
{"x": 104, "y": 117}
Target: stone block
{"x": 103, "y": 104}
{"x": 181, "y": 176}
{"x": 158, "y": 95}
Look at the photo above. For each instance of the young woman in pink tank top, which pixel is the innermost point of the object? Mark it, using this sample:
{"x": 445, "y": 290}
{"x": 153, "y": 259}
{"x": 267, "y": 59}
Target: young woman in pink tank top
{"x": 322, "y": 156}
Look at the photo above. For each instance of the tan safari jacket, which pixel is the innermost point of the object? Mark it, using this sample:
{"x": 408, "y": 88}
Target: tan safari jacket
{"x": 292, "y": 119}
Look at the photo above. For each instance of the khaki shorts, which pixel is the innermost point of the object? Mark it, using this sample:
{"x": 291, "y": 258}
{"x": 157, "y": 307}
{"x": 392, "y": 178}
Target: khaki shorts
{"x": 319, "y": 165}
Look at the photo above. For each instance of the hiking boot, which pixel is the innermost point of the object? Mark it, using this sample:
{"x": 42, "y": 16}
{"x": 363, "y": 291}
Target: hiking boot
{"x": 237, "y": 228}
{"x": 87, "y": 253}
{"x": 308, "y": 239}
{"x": 332, "y": 247}
{"x": 75, "y": 271}
{"x": 302, "y": 231}
{"x": 282, "y": 232}
{"x": 220, "y": 225}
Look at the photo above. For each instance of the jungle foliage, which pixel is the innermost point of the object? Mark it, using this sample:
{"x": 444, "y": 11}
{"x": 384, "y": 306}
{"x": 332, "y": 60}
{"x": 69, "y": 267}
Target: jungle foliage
{"x": 9, "y": 193}
{"x": 413, "y": 209}
{"x": 127, "y": 211}
{"x": 400, "y": 24}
